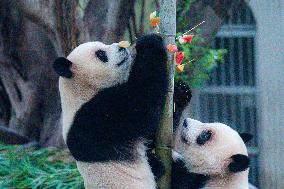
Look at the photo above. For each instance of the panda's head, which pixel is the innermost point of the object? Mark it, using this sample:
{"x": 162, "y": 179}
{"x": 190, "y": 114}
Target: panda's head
{"x": 92, "y": 66}
{"x": 210, "y": 148}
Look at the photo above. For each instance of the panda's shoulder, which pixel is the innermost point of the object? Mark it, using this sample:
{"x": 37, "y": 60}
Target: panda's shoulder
{"x": 110, "y": 95}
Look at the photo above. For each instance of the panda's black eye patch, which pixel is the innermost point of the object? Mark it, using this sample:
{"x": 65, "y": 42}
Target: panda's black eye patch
{"x": 102, "y": 55}
{"x": 204, "y": 137}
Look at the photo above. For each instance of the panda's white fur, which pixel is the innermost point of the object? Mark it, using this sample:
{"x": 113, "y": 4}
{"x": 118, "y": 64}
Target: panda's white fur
{"x": 89, "y": 77}
{"x": 118, "y": 175}
{"x": 213, "y": 158}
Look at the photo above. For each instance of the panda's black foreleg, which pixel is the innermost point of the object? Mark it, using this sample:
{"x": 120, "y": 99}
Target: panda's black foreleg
{"x": 109, "y": 126}
{"x": 156, "y": 164}
{"x": 182, "y": 97}
{"x": 183, "y": 179}
{"x": 148, "y": 80}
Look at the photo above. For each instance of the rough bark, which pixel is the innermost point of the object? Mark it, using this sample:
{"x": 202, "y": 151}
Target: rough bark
{"x": 11, "y": 137}
{"x": 109, "y": 21}
{"x": 33, "y": 34}
{"x": 164, "y": 136}
{"x": 25, "y": 72}
{"x": 5, "y": 109}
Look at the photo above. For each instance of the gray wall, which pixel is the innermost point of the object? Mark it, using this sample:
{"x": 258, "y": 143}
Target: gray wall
{"x": 269, "y": 15}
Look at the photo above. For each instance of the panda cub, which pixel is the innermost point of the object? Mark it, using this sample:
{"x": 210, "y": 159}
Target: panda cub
{"x": 206, "y": 155}
{"x": 214, "y": 154}
{"x": 112, "y": 100}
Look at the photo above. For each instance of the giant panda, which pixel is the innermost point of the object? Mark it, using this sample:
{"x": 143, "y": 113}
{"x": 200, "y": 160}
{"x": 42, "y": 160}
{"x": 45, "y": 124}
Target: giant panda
{"x": 194, "y": 158}
{"x": 209, "y": 155}
{"x": 112, "y": 99}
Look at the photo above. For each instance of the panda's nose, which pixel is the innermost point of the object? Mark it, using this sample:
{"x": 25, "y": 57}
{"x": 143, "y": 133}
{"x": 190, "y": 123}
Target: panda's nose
{"x": 185, "y": 125}
{"x": 121, "y": 49}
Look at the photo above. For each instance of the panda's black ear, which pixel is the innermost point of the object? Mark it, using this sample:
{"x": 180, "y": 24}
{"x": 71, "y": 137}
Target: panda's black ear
{"x": 239, "y": 163}
{"x": 62, "y": 67}
{"x": 246, "y": 137}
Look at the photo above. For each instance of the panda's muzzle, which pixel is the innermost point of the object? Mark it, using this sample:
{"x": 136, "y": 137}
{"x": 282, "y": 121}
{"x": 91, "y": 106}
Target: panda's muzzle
{"x": 124, "y": 52}
{"x": 123, "y": 61}
{"x": 184, "y": 138}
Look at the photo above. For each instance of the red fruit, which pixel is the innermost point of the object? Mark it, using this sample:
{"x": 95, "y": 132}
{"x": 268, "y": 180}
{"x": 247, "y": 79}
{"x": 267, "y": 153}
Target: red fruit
{"x": 187, "y": 38}
{"x": 179, "y": 57}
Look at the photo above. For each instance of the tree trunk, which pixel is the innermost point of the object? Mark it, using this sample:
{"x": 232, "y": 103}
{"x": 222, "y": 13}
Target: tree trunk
{"x": 5, "y": 110}
{"x": 165, "y": 133}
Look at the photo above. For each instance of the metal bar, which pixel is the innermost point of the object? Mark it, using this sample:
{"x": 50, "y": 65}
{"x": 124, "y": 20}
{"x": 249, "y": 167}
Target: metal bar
{"x": 237, "y": 31}
{"x": 234, "y": 110}
{"x": 214, "y": 98}
{"x": 230, "y": 21}
{"x": 223, "y": 78}
{"x": 225, "y": 109}
{"x": 205, "y": 113}
{"x": 250, "y": 16}
{"x": 239, "y": 14}
{"x": 242, "y": 114}
{"x": 197, "y": 105}
{"x": 253, "y": 151}
{"x": 241, "y": 62}
{"x": 231, "y": 62}
{"x": 250, "y": 66}
{"x": 228, "y": 90}
{"x": 214, "y": 78}
{"x": 247, "y": 15}
{"x": 239, "y": 27}
{"x": 252, "y": 118}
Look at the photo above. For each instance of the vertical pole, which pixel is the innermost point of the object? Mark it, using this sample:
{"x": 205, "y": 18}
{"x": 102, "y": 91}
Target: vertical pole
{"x": 164, "y": 136}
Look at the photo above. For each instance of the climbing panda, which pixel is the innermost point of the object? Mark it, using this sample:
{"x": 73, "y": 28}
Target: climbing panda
{"x": 209, "y": 155}
{"x": 112, "y": 99}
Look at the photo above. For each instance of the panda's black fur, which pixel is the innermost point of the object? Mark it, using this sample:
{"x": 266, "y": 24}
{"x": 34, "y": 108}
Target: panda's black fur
{"x": 182, "y": 179}
{"x": 182, "y": 97}
{"x": 108, "y": 126}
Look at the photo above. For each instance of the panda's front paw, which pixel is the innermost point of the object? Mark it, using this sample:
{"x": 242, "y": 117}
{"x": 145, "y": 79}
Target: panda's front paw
{"x": 150, "y": 44}
{"x": 150, "y": 65}
{"x": 182, "y": 94}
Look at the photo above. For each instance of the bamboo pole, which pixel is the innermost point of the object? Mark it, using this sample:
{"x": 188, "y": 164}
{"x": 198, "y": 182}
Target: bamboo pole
{"x": 164, "y": 136}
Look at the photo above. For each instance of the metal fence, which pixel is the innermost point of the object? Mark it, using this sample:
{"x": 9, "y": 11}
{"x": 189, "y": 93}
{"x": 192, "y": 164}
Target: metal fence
{"x": 230, "y": 95}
